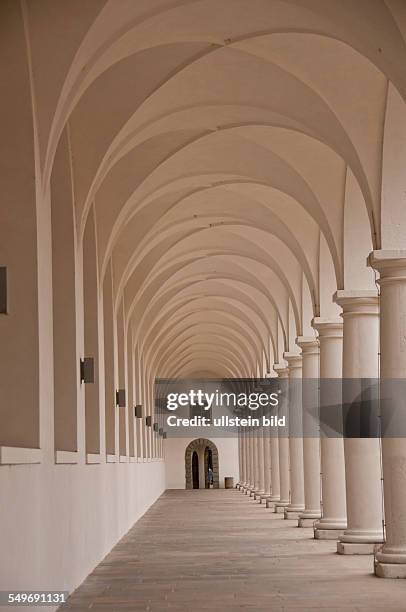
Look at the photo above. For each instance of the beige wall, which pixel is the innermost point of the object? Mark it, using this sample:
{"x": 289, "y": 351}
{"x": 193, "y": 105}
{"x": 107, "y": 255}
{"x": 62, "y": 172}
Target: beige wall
{"x": 68, "y": 517}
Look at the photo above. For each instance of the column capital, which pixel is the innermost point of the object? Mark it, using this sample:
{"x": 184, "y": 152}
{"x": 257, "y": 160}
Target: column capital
{"x": 294, "y": 360}
{"x": 391, "y": 264}
{"x": 364, "y": 302}
{"x": 281, "y": 369}
{"x": 328, "y": 328}
{"x": 308, "y": 344}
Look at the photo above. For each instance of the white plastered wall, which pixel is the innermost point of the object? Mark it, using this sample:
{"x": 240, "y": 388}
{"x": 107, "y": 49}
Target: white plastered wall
{"x": 69, "y": 517}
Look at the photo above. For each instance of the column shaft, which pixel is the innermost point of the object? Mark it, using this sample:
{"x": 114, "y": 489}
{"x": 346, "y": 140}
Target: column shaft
{"x": 260, "y": 463}
{"x": 333, "y": 521}
{"x": 362, "y": 454}
{"x": 391, "y": 560}
{"x": 311, "y": 430}
{"x": 296, "y": 505}
{"x": 267, "y": 465}
{"x": 283, "y": 443}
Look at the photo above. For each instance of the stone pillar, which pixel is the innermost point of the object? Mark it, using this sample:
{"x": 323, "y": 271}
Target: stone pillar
{"x": 252, "y": 462}
{"x": 260, "y": 463}
{"x": 246, "y": 457}
{"x": 247, "y": 483}
{"x": 241, "y": 478}
{"x": 334, "y": 520}
{"x": 267, "y": 464}
{"x": 257, "y": 461}
{"x": 311, "y": 430}
{"x": 239, "y": 460}
{"x": 275, "y": 495}
{"x": 283, "y": 439}
{"x": 275, "y": 474}
{"x": 296, "y": 505}
{"x": 391, "y": 560}
{"x": 362, "y": 454}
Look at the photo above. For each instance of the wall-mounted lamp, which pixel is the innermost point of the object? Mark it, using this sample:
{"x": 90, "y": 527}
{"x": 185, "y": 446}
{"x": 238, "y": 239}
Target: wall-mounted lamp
{"x": 120, "y": 398}
{"x": 161, "y": 431}
{"x": 138, "y": 411}
{"x": 3, "y": 290}
{"x": 148, "y": 420}
{"x": 155, "y": 427}
{"x": 87, "y": 370}
{"x": 164, "y": 435}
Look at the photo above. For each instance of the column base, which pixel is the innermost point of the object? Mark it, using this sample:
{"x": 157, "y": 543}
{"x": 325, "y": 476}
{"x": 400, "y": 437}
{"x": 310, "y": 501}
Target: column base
{"x": 270, "y": 503}
{"x": 327, "y": 534}
{"x": 306, "y": 521}
{"x": 357, "y": 548}
{"x": 280, "y": 506}
{"x": 390, "y": 562}
{"x": 291, "y": 515}
{"x": 257, "y": 495}
{"x": 390, "y": 570}
{"x": 263, "y": 498}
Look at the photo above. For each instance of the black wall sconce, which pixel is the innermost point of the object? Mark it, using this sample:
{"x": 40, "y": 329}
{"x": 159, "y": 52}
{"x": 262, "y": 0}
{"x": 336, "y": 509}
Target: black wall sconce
{"x": 148, "y": 420}
{"x": 3, "y": 290}
{"x": 87, "y": 370}
{"x": 120, "y": 398}
{"x": 161, "y": 431}
{"x": 164, "y": 435}
{"x": 156, "y": 427}
{"x": 138, "y": 411}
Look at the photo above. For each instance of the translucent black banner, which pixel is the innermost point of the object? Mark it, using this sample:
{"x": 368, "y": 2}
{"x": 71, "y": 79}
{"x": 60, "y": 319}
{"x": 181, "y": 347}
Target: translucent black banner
{"x": 352, "y": 408}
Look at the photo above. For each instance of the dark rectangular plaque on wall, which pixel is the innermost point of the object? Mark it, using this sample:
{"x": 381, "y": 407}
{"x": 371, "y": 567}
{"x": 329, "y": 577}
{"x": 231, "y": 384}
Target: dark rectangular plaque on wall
{"x": 87, "y": 370}
{"x": 138, "y": 411}
{"x": 3, "y": 290}
{"x": 120, "y": 398}
{"x": 148, "y": 420}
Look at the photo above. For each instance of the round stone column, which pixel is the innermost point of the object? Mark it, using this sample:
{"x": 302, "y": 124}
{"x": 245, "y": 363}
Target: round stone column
{"x": 275, "y": 473}
{"x": 246, "y": 457}
{"x": 241, "y": 454}
{"x": 334, "y": 520}
{"x": 260, "y": 462}
{"x": 283, "y": 443}
{"x": 364, "y": 532}
{"x": 296, "y": 505}
{"x": 391, "y": 560}
{"x": 250, "y": 462}
{"x": 254, "y": 460}
{"x": 311, "y": 430}
{"x": 240, "y": 461}
{"x": 267, "y": 465}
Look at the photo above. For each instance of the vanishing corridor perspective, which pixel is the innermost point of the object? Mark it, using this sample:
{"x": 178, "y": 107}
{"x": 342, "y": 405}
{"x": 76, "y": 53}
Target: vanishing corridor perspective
{"x": 200, "y": 189}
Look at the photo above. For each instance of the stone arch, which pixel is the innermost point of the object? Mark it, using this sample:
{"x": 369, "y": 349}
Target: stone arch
{"x": 196, "y": 445}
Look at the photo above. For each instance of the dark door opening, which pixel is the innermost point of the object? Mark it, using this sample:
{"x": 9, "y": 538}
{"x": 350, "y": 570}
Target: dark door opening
{"x": 195, "y": 470}
{"x": 208, "y": 465}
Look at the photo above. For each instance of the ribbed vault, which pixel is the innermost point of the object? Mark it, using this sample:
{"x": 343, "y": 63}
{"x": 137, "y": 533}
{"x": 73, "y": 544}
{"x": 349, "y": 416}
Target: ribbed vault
{"x": 222, "y": 152}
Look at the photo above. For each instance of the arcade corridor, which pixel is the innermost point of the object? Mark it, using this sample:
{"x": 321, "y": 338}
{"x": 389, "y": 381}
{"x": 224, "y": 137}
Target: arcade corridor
{"x": 203, "y": 190}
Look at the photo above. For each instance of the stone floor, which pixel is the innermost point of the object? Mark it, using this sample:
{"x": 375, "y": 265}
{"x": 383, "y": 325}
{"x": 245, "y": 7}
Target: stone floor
{"x": 218, "y": 550}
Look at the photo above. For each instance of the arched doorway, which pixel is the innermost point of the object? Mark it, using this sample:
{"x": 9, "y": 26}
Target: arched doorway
{"x": 195, "y": 470}
{"x": 199, "y": 456}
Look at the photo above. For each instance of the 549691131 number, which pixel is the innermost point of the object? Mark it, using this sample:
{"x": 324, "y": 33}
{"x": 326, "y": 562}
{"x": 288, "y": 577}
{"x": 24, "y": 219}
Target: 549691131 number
{"x": 32, "y": 598}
